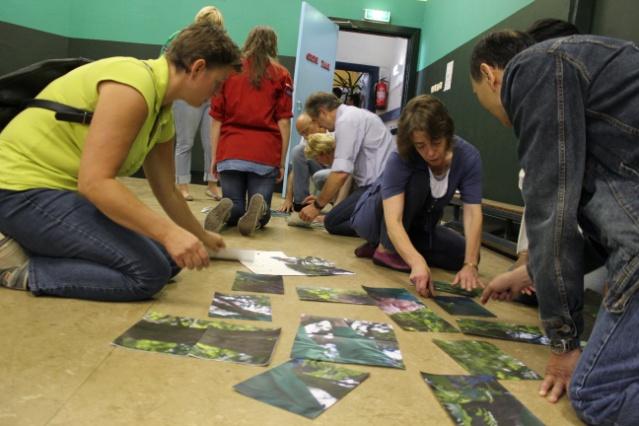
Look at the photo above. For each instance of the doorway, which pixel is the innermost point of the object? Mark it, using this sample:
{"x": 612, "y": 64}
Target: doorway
{"x": 354, "y": 84}
{"x": 366, "y": 48}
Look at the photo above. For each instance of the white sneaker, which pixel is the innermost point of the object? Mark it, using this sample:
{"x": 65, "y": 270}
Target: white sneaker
{"x": 11, "y": 253}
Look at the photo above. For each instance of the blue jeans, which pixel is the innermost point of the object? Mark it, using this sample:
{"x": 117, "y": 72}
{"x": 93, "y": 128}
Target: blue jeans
{"x": 338, "y": 220}
{"x": 573, "y": 103}
{"x": 76, "y": 251}
{"x": 303, "y": 169}
{"x": 240, "y": 187}
{"x": 605, "y": 386}
{"x": 188, "y": 120}
{"x": 442, "y": 247}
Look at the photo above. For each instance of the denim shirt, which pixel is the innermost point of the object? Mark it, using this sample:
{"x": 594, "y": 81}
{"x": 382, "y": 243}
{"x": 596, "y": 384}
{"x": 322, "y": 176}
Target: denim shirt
{"x": 574, "y": 105}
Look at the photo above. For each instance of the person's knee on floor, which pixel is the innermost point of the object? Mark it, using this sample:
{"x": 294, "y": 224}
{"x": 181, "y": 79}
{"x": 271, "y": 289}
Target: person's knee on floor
{"x": 149, "y": 275}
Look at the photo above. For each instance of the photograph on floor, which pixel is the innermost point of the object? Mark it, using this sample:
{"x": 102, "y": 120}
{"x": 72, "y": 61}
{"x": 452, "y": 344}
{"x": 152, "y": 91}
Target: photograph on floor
{"x": 503, "y": 330}
{"x": 479, "y": 400}
{"x": 163, "y": 333}
{"x": 479, "y": 357}
{"x": 238, "y": 343}
{"x": 446, "y": 287}
{"x": 277, "y": 213}
{"x": 407, "y": 311}
{"x": 462, "y": 306}
{"x": 207, "y": 339}
{"x": 312, "y": 266}
{"x": 334, "y": 295}
{"x": 303, "y": 387}
{"x": 240, "y": 306}
{"x": 347, "y": 341}
{"x": 278, "y": 263}
{"x": 258, "y": 283}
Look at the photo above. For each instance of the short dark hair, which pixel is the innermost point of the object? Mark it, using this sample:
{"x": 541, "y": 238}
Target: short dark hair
{"x": 319, "y": 100}
{"x": 496, "y": 49}
{"x": 545, "y": 29}
{"x": 424, "y": 113}
{"x": 203, "y": 40}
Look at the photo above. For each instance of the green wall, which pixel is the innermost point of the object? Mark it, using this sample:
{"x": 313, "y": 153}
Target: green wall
{"x": 152, "y": 21}
{"x": 496, "y": 143}
{"x": 45, "y": 15}
{"x": 445, "y": 24}
{"x": 448, "y": 24}
{"x": 617, "y": 18}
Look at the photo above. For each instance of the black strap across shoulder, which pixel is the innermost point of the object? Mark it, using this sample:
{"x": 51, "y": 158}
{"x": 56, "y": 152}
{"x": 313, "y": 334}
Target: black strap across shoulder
{"x": 63, "y": 112}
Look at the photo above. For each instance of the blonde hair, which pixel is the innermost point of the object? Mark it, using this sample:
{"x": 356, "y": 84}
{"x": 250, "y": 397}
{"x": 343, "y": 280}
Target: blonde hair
{"x": 211, "y": 14}
{"x": 319, "y": 144}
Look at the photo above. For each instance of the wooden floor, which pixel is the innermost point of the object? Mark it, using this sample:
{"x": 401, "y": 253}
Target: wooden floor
{"x": 57, "y": 365}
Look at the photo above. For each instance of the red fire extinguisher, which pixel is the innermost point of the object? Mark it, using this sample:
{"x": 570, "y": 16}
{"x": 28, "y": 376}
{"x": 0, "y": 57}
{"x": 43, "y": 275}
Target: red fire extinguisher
{"x": 381, "y": 94}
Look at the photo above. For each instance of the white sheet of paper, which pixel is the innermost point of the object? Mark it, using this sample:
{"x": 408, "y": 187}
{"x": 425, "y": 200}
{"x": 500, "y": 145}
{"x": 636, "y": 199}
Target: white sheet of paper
{"x": 448, "y": 81}
{"x": 233, "y": 254}
{"x": 263, "y": 263}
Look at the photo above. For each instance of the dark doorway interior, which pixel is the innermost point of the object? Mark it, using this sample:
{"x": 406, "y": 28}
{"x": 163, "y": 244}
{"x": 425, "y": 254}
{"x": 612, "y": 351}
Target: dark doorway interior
{"x": 412, "y": 50}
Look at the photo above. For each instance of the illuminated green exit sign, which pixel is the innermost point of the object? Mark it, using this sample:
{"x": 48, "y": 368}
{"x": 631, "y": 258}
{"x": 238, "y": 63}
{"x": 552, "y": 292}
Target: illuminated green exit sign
{"x": 377, "y": 15}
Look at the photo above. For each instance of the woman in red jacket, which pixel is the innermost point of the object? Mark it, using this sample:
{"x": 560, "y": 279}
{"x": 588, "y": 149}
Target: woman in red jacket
{"x": 251, "y": 128}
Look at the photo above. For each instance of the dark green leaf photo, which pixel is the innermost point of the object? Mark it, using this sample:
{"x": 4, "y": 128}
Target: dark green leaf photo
{"x": 304, "y": 387}
{"x": 208, "y": 339}
{"x": 479, "y": 400}
{"x": 502, "y": 330}
{"x": 244, "y": 307}
{"x": 242, "y": 344}
{"x": 163, "y": 333}
{"x": 407, "y": 311}
{"x": 479, "y": 357}
{"x": 347, "y": 341}
{"x": 336, "y": 295}
{"x": 258, "y": 283}
{"x": 455, "y": 289}
{"x": 462, "y": 306}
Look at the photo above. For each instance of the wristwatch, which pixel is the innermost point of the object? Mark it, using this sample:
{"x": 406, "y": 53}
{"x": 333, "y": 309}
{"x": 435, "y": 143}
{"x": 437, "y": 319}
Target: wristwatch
{"x": 562, "y": 346}
{"x": 317, "y": 205}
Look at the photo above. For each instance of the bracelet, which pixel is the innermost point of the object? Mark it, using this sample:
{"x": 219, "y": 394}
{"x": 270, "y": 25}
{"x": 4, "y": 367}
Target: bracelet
{"x": 474, "y": 265}
{"x": 317, "y": 205}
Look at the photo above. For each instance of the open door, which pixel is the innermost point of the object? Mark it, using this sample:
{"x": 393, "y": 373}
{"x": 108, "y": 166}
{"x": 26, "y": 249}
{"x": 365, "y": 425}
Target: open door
{"x": 314, "y": 64}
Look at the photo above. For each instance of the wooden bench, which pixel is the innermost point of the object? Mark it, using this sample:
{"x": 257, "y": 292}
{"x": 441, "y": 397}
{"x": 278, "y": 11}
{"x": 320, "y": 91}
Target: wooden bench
{"x": 502, "y": 238}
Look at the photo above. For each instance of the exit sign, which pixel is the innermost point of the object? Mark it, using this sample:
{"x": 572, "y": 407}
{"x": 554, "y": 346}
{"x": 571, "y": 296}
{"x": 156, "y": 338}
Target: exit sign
{"x": 377, "y": 15}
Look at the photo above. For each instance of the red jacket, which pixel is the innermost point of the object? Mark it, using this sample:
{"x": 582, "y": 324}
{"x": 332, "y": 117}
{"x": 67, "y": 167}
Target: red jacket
{"x": 249, "y": 116}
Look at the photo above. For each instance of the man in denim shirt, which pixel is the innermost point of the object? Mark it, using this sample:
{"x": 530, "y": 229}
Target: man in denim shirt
{"x": 574, "y": 105}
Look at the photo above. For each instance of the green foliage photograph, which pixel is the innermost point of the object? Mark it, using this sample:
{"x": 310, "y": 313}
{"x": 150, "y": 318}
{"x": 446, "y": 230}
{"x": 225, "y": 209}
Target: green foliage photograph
{"x": 479, "y": 400}
{"x": 335, "y": 295}
{"x": 347, "y": 341}
{"x": 258, "y": 283}
{"x": 407, "y": 311}
{"x": 244, "y": 307}
{"x": 479, "y": 357}
{"x": 303, "y": 387}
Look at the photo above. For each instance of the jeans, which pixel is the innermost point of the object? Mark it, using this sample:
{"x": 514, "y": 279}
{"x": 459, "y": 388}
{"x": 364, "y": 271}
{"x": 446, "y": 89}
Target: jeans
{"x": 78, "y": 252}
{"x": 573, "y": 103}
{"x": 241, "y": 186}
{"x": 605, "y": 385}
{"x": 188, "y": 120}
{"x": 442, "y": 247}
{"x": 338, "y": 220}
{"x": 303, "y": 169}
